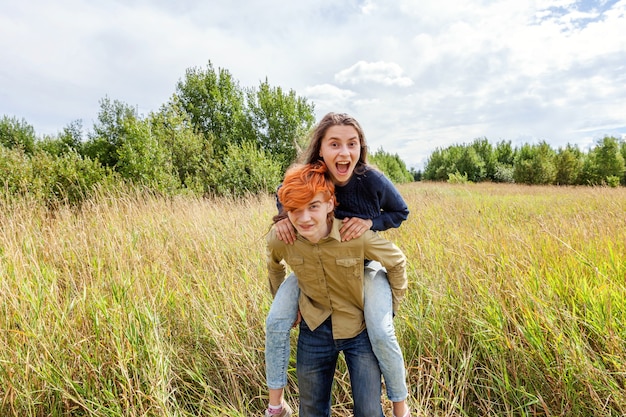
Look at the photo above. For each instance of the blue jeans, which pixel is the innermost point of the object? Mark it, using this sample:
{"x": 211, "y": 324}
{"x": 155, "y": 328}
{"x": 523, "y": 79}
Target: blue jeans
{"x": 378, "y": 319}
{"x": 316, "y": 362}
{"x": 278, "y": 324}
{"x": 378, "y": 311}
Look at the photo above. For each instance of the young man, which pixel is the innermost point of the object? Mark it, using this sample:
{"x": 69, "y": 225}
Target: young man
{"x": 330, "y": 277}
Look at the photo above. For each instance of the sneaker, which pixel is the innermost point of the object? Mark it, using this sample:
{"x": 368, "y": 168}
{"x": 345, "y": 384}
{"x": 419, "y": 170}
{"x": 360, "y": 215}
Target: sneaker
{"x": 285, "y": 412}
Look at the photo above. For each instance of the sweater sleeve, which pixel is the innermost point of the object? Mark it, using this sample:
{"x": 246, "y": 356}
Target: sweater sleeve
{"x": 394, "y": 209}
{"x": 279, "y": 207}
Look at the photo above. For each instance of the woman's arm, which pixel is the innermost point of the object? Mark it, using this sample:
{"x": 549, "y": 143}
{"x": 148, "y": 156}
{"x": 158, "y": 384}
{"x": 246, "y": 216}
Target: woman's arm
{"x": 393, "y": 208}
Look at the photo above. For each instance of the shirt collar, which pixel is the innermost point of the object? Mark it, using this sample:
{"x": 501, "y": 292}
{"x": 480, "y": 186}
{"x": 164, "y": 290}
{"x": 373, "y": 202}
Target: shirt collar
{"x": 334, "y": 230}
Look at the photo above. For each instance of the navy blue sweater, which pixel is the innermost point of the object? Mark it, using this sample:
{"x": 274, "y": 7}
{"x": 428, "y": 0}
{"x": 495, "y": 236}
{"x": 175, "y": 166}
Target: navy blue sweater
{"x": 370, "y": 195}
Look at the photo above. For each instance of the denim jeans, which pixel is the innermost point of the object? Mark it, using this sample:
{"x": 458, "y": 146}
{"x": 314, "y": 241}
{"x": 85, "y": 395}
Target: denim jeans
{"x": 316, "y": 362}
{"x": 278, "y": 324}
{"x": 378, "y": 313}
{"x": 378, "y": 320}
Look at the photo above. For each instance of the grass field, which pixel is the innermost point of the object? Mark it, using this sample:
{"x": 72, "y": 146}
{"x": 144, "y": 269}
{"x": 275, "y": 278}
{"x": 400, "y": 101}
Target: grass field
{"x": 146, "y": 306}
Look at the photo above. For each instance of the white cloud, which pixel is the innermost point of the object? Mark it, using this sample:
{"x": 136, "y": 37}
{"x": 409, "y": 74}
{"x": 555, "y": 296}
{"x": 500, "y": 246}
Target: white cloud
{"x": 417, "y": 75}
{"x": 328, "y": 97}
{"x": 385, "y": 73}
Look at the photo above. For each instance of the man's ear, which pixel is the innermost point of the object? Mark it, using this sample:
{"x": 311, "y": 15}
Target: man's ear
{"x": 331, "y": 205}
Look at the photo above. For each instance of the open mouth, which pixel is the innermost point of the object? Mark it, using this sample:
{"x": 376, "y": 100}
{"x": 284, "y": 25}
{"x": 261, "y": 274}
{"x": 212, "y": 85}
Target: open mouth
{"x": 342, "y": 167}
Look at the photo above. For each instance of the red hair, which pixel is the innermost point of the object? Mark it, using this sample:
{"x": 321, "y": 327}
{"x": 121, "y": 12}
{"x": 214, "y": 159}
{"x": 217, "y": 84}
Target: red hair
{"x": 302, "y": 182}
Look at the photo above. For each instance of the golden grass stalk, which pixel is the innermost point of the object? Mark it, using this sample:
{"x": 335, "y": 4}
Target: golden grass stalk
{"x": 139, "y": 305}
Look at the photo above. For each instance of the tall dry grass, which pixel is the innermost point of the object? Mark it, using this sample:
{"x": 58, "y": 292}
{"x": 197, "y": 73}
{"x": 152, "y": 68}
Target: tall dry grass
{"x": 137, "y": 305}
{"x": 518, "y": 300}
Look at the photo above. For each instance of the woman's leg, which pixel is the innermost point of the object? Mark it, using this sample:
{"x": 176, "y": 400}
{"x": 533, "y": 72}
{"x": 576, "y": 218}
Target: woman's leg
{"x": 278, "y": 324}
{"x": 378, "y": 312}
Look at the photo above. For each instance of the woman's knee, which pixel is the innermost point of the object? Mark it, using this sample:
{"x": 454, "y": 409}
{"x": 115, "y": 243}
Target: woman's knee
{"x": 279, "y": 322}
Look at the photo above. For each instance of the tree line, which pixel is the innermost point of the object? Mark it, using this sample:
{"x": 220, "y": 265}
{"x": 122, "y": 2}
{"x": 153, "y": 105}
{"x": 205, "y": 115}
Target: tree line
{"x": 537, "y": 163}
{"x": 216, "y": 138}
{"x": 211, "y": 138}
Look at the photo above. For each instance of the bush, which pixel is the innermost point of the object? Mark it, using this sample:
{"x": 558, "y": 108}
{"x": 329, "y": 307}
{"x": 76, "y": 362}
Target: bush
{"x": 612, "y": 181}
{"x": 503, "y": 173}
{"x": 457, "y": 178}
{"x": 68, "y": 178}
{"x": 244, "y": 170}
{"x": 392, "y": 166}
{"x": 143, "y": 160}
{"x": 15, "y": 170}
{"x": 16, "y": 133}
{"x": 77, "y": 178}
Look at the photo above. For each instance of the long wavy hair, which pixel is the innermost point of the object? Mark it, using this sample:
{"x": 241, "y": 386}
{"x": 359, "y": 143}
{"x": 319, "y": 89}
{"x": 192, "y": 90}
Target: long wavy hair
{"x": 312, "y": 153}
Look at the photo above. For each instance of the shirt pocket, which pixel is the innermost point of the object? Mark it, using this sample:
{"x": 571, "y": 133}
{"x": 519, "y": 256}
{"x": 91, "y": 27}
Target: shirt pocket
{"x": 351, "y": 267}
{"x": 304, "y": 271}
{"x": 295, "y": 261}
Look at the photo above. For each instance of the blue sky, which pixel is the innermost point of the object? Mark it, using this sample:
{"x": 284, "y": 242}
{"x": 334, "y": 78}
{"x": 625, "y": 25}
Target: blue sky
{"x": 418, "y": 75}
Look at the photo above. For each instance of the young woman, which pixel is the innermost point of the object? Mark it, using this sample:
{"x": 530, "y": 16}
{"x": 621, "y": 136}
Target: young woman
{"x": 367, "y": 200}
{"x": 330, "y": 275}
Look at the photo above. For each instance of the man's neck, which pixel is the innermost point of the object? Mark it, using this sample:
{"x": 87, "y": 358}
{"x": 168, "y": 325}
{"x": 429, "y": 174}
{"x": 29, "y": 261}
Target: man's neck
{"x": 329, "y": 225}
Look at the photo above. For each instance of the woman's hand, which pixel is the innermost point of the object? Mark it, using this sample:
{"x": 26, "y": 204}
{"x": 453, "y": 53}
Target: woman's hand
{"x": 353, "y": 227}
{"x": 285, "y": 231}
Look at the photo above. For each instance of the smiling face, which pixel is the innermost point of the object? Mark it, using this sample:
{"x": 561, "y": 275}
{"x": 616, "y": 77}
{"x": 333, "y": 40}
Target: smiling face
{"x": 341, "y": 149}
{"x": 311, "y": 220}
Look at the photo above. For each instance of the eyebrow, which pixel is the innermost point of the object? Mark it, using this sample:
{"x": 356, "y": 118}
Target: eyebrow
{"x": 350, "y": 138}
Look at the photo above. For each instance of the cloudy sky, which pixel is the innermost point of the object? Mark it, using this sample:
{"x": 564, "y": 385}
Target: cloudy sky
{"x": 417, "y": 74}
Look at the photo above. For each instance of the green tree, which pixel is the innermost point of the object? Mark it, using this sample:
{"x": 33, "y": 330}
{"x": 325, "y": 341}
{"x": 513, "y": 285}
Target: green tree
{"x": 534, "y": 164}
{"x": 215, "y": 104}
{"x": 109, "y": 132}
{"x": 609, "y": 158}
{"x": 485, "y": 151}
{"x": 470, "y": 164}
{"x": 604, "y": 163}
{"x": 504, "y": 153}
{"x": 416, "y": 174}
{"x": 568, "y": 162}
{"x": 434, "y": 164}
{"x": 278, "y": 119}
{"x": 143, "y": 160}
{"x": 442, "y": 163}
{"x": 392, "y": 166}
{"x": 69, "y": 140}
{"x": 187, "y": 150}
{"x": 16, "y": 133}
{"x": 622, "y": 149}
{"x": 460, "y": 160}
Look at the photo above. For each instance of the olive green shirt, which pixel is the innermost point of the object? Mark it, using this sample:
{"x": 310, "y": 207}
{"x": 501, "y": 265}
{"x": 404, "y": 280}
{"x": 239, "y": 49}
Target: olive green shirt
{"x": 330, "y": 275}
